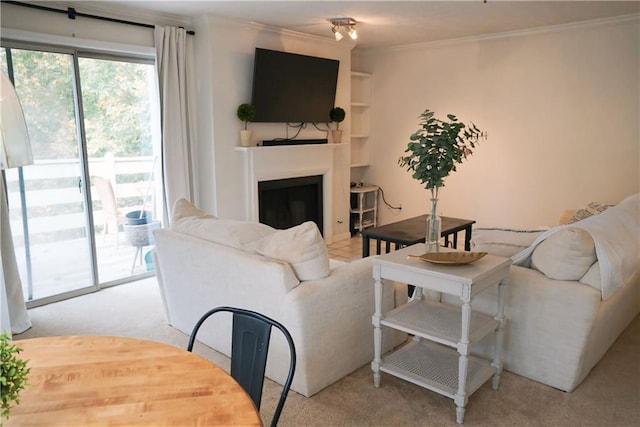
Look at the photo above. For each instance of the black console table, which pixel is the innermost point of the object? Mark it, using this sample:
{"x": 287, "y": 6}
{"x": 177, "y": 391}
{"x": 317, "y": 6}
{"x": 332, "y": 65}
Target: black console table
{"x": 412, "y": 231}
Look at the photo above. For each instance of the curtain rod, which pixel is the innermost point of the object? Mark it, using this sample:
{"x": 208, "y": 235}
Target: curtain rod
{"x": 72, "y": 13}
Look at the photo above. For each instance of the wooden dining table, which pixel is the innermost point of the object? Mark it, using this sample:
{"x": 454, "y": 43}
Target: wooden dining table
{"x": 106, "y": 380}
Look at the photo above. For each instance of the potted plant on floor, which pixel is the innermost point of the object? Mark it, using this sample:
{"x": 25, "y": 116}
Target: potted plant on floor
{"x": 337, "y": 115}
{"x": 433, "y": 152}
{"x": 246, "y": 113}
{"x": 13, "y": 375}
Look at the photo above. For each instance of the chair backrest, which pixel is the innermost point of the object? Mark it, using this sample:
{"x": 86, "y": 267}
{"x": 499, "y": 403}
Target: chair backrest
{"x": 249, "y": 347}
{"x": 107, "y": 197}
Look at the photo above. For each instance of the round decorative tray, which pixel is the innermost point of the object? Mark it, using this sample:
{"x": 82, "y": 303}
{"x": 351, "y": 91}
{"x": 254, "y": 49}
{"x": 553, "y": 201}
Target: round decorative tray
{"x": 449, "y": 258}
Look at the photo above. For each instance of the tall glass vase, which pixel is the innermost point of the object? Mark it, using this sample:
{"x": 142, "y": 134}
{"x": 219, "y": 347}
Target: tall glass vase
{"x": 434, "y": 226}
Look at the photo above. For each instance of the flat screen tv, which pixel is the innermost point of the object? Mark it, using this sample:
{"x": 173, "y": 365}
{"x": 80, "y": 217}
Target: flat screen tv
{"x": 293, "y": 88}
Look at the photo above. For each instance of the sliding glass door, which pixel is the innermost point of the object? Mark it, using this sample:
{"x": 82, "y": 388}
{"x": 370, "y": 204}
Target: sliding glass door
{"x": 90, "y": 121}
{"x": 118, "y": 111}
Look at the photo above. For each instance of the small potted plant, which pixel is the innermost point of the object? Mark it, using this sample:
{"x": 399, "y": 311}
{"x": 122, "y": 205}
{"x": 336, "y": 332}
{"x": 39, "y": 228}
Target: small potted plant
{"x": 246, "y": 113}
{"x": 13, "y": 375}
{"x": 337, "y": 115}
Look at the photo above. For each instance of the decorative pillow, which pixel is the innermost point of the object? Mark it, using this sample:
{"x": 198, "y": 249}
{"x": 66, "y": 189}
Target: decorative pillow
{"x": 592, "y": 208}
{"x": 565, "y": 255}
{"x": 301, "y": 246}
{"x": 502, "y": 241}
{"x": 183, "y": 208}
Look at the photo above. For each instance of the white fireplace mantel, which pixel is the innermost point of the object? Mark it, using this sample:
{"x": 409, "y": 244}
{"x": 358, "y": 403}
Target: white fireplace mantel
{"x": 290, "y": 161}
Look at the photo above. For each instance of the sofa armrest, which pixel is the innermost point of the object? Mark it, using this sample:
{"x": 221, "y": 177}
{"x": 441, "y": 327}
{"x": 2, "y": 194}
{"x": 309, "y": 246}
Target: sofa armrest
{"x": 348, "y": 293}
{"x": 333, "y": 322}
{"x": 502, "y": 241}
{"x": 547, "y": 328}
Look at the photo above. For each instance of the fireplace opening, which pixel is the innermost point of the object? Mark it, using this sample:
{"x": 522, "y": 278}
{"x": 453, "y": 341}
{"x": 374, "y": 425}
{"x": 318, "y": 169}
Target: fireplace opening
{"x": 284, "y": 203}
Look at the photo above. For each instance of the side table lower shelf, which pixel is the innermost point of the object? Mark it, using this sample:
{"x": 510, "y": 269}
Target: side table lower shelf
{"x": 435, "y": 367}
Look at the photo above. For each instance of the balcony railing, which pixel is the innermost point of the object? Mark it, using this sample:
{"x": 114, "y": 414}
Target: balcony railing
{"x": 56, "y": 222}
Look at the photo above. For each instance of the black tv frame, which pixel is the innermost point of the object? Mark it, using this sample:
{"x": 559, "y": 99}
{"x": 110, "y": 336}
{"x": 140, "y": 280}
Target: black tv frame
{"x": 293, "y": 88}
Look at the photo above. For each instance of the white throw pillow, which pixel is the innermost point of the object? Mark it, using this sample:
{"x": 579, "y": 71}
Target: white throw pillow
{"x": 301, "y": 246}
{"x": 565, "y": 255}
{"x": 183, "y": 208}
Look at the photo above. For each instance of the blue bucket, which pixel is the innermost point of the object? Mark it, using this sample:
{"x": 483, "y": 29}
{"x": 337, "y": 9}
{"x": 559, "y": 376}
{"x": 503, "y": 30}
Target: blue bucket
{"x": 134, "y": 218}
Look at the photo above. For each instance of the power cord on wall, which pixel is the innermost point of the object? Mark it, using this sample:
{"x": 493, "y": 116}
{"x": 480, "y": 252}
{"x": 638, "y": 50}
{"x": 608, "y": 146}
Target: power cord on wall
{"x": 385, "y": 201}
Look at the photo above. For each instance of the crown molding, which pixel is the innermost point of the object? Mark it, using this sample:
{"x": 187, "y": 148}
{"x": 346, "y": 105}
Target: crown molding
{"x": 503, "y": 35}
{"x": 258, "y": 27}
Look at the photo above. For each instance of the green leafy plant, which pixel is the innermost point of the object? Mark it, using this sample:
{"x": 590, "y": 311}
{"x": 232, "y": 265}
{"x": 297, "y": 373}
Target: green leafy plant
{"x": 246, "y": 113}
{"x": 337, "y": 115}
{"x": 436, "y": 148}
{"x": 13, "y": 375}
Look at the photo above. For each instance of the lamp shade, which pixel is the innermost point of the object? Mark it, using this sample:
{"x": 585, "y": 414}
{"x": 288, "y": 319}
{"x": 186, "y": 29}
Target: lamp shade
{"x": 15, "y": 149}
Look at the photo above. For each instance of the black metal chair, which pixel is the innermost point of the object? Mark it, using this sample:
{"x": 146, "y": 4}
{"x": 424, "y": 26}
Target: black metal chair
{"x": 249, "y": 347}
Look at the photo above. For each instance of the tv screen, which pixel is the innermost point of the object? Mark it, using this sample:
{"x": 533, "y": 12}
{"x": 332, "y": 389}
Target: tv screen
{"x": 293, "y": 88}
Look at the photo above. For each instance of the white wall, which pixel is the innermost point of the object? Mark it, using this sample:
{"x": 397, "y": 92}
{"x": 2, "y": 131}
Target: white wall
{"x": 231, "y": 49}
{"x": 560, "y": 107}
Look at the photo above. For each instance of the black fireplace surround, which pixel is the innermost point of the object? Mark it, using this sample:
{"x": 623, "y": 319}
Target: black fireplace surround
{"x": 284, "y": 203}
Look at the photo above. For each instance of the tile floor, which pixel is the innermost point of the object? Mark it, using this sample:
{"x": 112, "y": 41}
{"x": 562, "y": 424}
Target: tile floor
{"x": 348, "y": 249}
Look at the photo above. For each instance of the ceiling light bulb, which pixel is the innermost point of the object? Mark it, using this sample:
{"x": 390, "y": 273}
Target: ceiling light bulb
{"x": 352, "y": 33}
{"x": 338, "y": 35}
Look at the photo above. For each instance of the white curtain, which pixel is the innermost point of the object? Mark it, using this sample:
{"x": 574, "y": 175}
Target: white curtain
{"x": 15, "y": 151}
{"x": 14, "y": 317}
{"x": 174, "y": 65}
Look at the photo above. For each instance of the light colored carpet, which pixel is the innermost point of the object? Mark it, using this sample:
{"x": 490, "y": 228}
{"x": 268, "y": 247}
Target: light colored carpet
{"x": 610, "y": 396}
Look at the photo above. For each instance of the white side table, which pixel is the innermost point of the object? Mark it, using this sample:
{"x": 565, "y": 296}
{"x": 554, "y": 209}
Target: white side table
{"x": 438, "y": 357}
{"x": 366, "y": 209}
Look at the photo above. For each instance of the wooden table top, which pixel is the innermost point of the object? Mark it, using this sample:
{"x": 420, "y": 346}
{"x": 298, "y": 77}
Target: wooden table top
{"x": 106, "y": 380}
{"x": 411, "y": 231}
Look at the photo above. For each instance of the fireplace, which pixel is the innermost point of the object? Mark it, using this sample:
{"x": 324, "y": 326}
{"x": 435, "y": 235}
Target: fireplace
{"x": 284, "y": 203}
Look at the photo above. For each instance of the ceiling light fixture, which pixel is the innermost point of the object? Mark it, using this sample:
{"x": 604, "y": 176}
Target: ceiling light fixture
{"x": 349, "y": 25}
{"x": 336, "y": 33}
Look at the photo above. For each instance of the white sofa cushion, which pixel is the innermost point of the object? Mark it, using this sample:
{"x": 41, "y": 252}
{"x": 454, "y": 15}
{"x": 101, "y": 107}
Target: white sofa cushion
{"x": 592, "y": 276}
{"x": 188, "y": 219}
{"x": 301, "y": 246}
{"x": 565, "y": 255}
{"x": 503, "y": 241}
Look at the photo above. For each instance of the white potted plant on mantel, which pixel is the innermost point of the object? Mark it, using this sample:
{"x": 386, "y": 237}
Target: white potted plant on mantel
{"x": 246, "y": 113}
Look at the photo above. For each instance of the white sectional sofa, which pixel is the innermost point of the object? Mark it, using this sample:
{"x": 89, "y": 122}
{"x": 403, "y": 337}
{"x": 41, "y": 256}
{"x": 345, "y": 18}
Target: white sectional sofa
{"x": 572, "y": 290}
{"x": 203, "y": 262}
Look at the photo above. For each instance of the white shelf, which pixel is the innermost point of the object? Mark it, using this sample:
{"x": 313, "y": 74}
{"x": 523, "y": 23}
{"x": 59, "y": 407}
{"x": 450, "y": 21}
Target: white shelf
{"x": 365, "y": 212}
{"x": 435, "y": 367}
{"x": 361, "y": 97}
{"x": 438, "y": 322}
